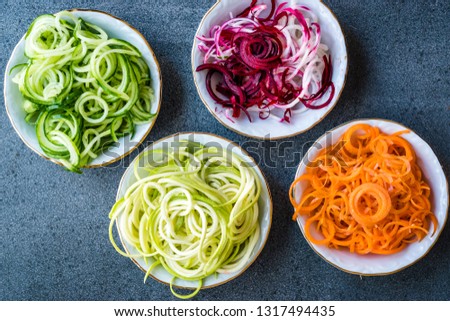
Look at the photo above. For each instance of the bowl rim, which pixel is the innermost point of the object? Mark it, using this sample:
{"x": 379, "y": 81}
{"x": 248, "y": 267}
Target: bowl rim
{"x": 264, "y": 178}
{"x": 230, "y": 127}
{"x": 313, "y": 246}
{"x": 153, "y": 56}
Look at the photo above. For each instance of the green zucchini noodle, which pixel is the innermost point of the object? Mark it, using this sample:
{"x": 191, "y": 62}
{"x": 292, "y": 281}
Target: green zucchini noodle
{"x": 194, "y": 212}
{"x": 82, "y": 90}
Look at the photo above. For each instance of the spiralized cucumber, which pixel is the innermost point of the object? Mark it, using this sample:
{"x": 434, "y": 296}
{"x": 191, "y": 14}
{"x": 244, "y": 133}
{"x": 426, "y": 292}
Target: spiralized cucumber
{"x": 194, "y": 211}
{"x": 82, "y": 89}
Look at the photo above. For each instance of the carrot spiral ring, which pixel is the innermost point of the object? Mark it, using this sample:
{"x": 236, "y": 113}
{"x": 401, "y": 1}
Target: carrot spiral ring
{"x": 365, "y": 191}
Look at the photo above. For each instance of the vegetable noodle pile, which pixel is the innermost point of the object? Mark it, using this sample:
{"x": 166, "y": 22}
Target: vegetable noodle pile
{"x": 195, "y": 212}
{"x": 365, "y": 193}
{"x": 82, "y": 89}
{"x": 268, "y": 59}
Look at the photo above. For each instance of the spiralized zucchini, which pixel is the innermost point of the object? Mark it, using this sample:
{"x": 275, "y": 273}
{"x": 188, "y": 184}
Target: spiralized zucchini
{"x": 194, "y": 211}
{"x": 82, "y": 90}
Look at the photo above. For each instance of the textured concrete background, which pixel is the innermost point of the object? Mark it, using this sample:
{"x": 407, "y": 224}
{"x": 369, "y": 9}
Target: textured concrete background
{"x": 53, "y": 231}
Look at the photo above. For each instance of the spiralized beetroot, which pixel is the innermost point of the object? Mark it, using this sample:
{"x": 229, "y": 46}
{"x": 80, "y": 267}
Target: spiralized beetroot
{"x": 268, "y": 63}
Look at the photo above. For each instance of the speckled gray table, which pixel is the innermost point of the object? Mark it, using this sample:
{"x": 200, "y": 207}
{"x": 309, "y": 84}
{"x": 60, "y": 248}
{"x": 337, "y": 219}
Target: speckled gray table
{"x": 53, "y": 231}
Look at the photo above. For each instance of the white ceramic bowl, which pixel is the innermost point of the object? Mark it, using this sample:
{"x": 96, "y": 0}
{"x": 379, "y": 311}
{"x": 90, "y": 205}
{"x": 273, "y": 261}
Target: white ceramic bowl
{"x": 373, "y": 264}
{"x": 115, "y": 28}
{"x": 271, "y": 128}
{"x": 265, "y": 207}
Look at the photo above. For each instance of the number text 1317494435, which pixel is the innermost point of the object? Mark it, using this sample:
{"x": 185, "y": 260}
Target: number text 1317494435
{"x": 285, "y": 310}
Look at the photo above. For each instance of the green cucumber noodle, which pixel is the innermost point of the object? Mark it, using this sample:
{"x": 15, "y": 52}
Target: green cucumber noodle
{"x": 82, "y": 90}
{"x": 195, "y": 212}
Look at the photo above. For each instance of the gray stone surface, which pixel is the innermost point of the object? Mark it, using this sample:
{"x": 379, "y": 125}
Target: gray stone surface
{"x": 53, "y": 231}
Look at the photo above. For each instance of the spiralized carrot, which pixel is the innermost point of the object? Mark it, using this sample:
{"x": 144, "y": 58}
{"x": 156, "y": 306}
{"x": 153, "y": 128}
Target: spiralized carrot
{"x": 365, "y": 193}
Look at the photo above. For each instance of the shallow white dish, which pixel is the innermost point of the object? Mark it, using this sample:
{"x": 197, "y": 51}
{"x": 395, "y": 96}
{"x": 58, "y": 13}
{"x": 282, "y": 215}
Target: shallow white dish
{"x": 373, "y": 264}
{"x": 271, "y": 128}
{"x": 115, "y": 28}
{"x": 265, "y": 206}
